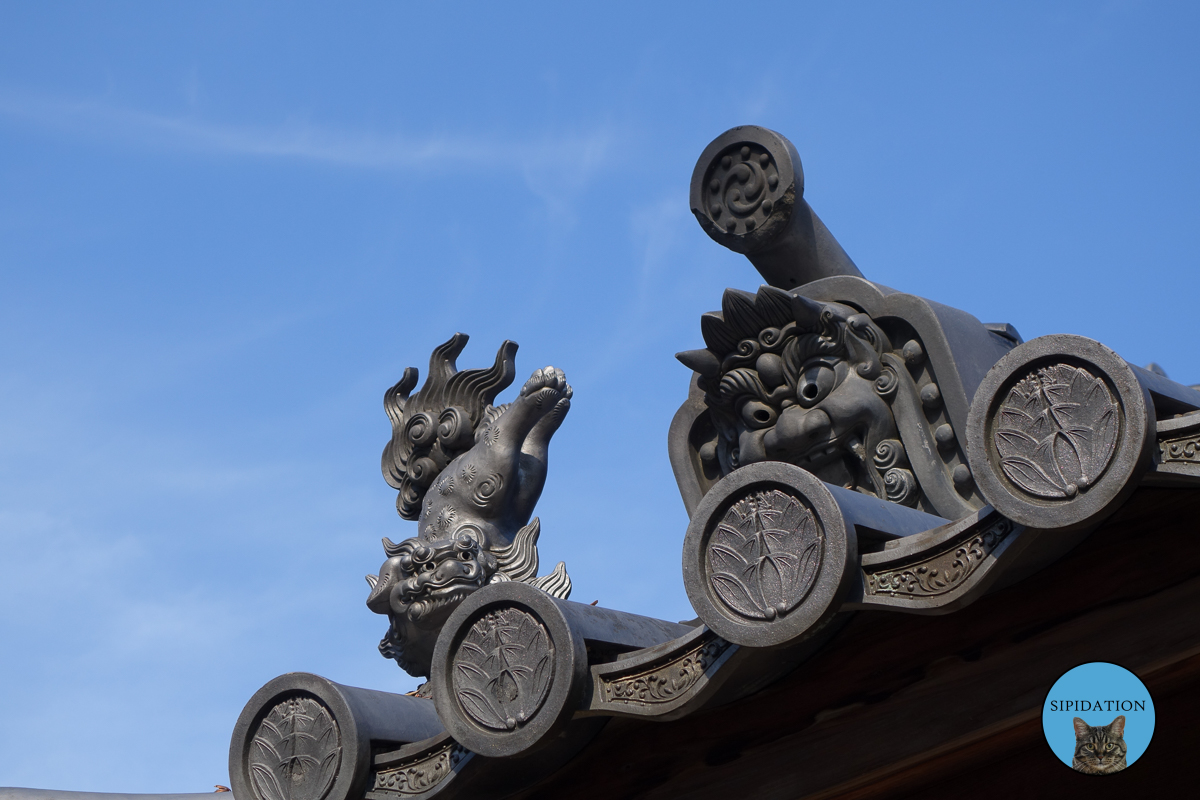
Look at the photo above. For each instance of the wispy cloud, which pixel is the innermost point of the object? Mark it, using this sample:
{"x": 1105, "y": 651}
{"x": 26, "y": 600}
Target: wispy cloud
{"x": 655, "y": 228}
{"x": 580, "y": 154}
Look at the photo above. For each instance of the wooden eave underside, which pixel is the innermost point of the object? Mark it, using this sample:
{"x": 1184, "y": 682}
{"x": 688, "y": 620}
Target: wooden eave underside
{"x": 947, "y": 706}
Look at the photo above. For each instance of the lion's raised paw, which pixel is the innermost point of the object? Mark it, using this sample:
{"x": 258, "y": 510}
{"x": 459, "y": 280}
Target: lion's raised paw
{"x": 552, "y": 418}
{"x": 548, "y": 384}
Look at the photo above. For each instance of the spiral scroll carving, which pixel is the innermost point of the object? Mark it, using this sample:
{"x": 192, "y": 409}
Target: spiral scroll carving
{"x": 943, "y": 571}
{"x": 665, "y": 682}
{"x": 454, "y": 429}
{"x": 887, "y": 383}
{"x": 419, "y": 774}
{"x": 742, "y": 188}
{"x": 487, "y": 489}
{"x": 900, "y": 486}
{"x": 1187, "y": 450}
{"x": 890, "y": 453}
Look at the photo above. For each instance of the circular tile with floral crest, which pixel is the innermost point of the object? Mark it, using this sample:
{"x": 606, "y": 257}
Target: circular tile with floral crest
{"x": 507, "y": 671}
{"x": 1059, "y": 433}
{"x": 768, "y": 555}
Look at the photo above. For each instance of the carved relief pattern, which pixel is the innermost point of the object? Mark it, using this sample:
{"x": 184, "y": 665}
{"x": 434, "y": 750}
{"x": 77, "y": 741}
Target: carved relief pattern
{"x": 899, "y": 484}
{"x": 295, "y": 752}
{"x": 421, "y": 774}
{"x": 1186, "y": 450}
{"x": 1056, "y": 431}
{"x": 942, "y": 572}
{"x": 821, "y": 382}
{"x": 742, "y": 187}
{"x": 665, "y": 682}
{"x": 764, "y": 556}
{"x": 465, "y": 473}
{"x": 503, "y": 669}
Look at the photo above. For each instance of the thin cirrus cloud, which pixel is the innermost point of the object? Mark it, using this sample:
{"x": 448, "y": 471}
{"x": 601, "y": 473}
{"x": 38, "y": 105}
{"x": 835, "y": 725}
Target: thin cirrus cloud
{"x": 579, "y": 155}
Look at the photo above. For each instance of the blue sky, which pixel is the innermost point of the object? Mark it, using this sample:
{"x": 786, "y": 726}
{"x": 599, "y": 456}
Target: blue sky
{"x": 226, "y": 228}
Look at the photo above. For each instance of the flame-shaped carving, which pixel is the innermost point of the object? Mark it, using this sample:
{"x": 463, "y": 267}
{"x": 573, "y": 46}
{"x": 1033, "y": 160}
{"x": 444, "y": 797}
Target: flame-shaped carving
{"x": 439, "y": 422}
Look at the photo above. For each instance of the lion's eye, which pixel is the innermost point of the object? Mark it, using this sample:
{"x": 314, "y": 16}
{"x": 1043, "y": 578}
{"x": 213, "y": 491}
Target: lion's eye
{"x": 465, "y": 555}
{"x": 814, "y": 384}
{"x": 758, "y": 415}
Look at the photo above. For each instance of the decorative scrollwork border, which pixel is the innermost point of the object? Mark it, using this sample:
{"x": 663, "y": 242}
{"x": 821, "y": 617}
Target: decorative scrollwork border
{"x": 664, "y": 682}
{"x": 940, "y": 572}
{"x": 418, "y": 774}
{"x": 1185, "y": 449}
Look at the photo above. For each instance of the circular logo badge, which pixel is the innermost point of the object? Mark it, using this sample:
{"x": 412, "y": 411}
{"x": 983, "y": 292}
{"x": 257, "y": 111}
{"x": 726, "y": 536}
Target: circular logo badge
{"x": 1098, "y": 718}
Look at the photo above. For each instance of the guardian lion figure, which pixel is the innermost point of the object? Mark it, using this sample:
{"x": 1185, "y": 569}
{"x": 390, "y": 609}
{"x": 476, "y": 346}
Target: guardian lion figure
{"x": 470, "y": 474}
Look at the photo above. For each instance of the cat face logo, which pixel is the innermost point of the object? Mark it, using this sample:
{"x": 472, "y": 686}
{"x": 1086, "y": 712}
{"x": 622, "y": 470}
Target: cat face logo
{"x": 1100, "y": 750}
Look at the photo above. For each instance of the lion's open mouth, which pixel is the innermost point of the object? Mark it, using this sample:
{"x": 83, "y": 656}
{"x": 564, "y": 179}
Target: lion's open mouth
{"x": 446, "y": 598}
{"x": 824, "y": 453}
{"x": 447, "y": 588}
{"x": 453, "y": 588}
{"x": 431, "y": 610}
{"x": 429, "y": 600}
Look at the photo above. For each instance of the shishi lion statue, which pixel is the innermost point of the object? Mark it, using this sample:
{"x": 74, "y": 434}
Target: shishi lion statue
{"x": 791, "y": 379}
{"x": 470, "y": 474}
